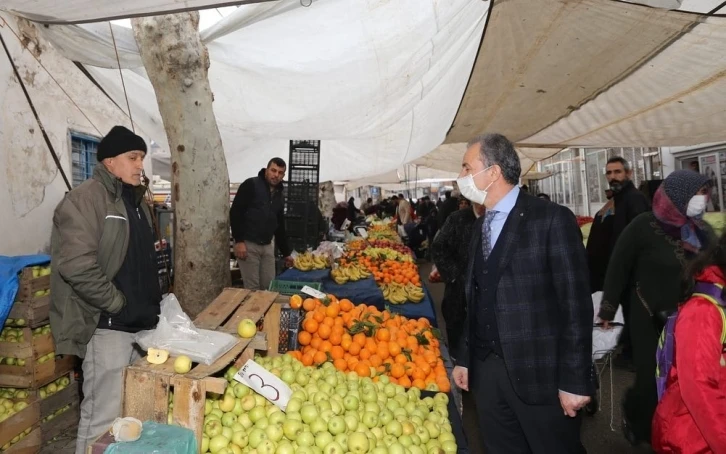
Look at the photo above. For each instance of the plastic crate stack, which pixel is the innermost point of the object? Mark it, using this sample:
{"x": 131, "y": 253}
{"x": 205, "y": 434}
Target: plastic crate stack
{"x": 301, "y": 215}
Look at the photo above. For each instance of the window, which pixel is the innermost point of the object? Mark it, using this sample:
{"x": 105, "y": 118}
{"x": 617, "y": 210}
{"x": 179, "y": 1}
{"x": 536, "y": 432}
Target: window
{"x": 83, "y": 150}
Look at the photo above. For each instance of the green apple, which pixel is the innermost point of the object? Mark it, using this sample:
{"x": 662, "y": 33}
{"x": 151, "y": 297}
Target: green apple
{"x": 294, "y": 405}
{"x": 260, "y": 401}
{"x": 241, "y": 390}
{"x": 433, "y": 429}
{"x": 441, "y": 398}
{"x": 182, "y": 365}
{"x": 342, "y": 440}
{"x": 217, "y": 412}
{"x": 380, "y": 450}
{"x": 245, "y": 420}
{"x": 262, "y": 423}
{"x": 350, "y": 402}
{"x": 351, "y": 422}
{"x": 302, "y": 378}
{"x": 396, "y": 448}
{"x": 213, "y": 428}
{"x": 285, "y": 448}
{"x": 337, "y": 425}
{"x": 266, "y": 447}
{"x": 319, "y": 425}
{"x": 370, "y": 419}
{"x": 394, "y": 428}
{"x": 248, "y": 402}
{"x": 217, "y": 443}
{"x": 277, "y": 417}
{"x": 333, "y": 448}
{"x": 228, "y": 419}
{"x": 227, "y": 433}
{"x": 274, "y": 432}
{"x": 207, "y": 407}
{"x": 288, "y": 376}
{"x": 256, "y": 437}
{"x": 292, "y": 429}
{"x": 237, "y": 410}
{"x": 358, "y": 443}
{"x": 306, "y": 438}
{"x": 415, "y": 449}
{"x": 309, "y": 413}
{"x": 231, "y": 372}
{"x": 205, "y": 443}
{"x": 423, "y": 433}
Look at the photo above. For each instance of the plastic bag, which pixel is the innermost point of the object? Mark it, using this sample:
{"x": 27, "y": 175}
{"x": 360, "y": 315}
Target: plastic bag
{"x": 158, "y": 439}
{"x": 177, "y": 334}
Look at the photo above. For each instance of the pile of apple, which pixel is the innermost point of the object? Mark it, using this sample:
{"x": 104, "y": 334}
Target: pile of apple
{"x": 7, "y": 409}
{"x": 12, "y": 393}
{"x": 41, "y": 331}
{"x": 56, "y": 413}
{"x": 54, "y": 387}
{"x": 330, "y": 412}
{"x": 12, "y": 334}
{"x": 39, "y": 271}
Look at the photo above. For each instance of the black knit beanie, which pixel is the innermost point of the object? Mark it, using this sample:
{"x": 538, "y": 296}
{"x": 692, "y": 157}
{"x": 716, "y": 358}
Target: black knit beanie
{"x": 119, "y": 140}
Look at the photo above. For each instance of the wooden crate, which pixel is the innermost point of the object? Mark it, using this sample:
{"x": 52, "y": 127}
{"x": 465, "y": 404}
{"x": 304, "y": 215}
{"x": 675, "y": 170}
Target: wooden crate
{"x": 34, "y": 311}
{"x": 30, "y": 348}
{"x": 34, "y": 374}
{"x": 28, "y": 285}
{"x": 146, "y": 386}
{"x": 69, "y": 395}
{"x": 29, "y": 445}
{"x": 60, "y": 424}
{"x": 20, "y": 421}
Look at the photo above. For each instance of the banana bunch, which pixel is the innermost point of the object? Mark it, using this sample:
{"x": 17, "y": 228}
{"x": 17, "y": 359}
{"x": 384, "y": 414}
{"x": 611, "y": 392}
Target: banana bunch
{"x": 309, "y": 261}
{"x": 349, "y": 273}
{"x": 396, "y": 293}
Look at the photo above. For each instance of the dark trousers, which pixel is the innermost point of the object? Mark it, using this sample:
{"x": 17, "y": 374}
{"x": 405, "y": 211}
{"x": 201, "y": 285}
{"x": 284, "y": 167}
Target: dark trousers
{"x": 510, "y": 426}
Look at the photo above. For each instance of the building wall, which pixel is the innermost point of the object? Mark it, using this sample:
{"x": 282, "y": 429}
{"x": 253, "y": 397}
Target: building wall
{"x": 30, "y": 184}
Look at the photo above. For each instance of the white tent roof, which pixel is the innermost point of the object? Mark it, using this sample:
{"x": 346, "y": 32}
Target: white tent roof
{"x": 385, "y": 83}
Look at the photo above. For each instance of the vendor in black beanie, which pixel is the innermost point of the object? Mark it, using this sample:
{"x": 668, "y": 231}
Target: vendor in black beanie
{"x": 105, "y": 281}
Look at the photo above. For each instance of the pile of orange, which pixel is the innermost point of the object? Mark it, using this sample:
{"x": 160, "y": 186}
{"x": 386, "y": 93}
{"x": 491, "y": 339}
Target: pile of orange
{"x": 398, "y": 272}
{"x": 372, "y": 343}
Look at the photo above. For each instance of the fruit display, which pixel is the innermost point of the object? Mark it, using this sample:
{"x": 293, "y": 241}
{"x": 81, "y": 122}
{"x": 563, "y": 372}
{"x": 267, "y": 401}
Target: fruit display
{"x": 40, "y": 271}
{"x": 372, "y": 343}
{"x": 310, "y": 261}
{"x": 12, "y": 335}
{"x": 383, "y": 232}
{"x": 7, "y": 409}
{"x": 56, "y": 413}
{"x": 349, "y": 273}
{"x": 329, "y": 412}
{"x": 54, "y": 387}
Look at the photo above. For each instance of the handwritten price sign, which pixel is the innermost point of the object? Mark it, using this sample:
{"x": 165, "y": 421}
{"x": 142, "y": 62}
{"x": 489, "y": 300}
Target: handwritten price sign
{"x": 264, "y": 383}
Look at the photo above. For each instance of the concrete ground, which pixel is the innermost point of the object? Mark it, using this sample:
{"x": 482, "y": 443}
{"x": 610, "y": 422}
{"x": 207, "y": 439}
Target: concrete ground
{"x": 597, "y": 435}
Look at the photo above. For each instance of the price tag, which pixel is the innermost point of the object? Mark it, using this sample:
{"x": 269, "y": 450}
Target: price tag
{"x": 312, "y": 292}
{"x": 264, "y": 383}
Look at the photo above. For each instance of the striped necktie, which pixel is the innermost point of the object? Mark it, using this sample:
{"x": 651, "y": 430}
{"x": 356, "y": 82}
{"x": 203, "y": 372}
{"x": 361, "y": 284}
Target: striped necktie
{"x": 486, "y": 233}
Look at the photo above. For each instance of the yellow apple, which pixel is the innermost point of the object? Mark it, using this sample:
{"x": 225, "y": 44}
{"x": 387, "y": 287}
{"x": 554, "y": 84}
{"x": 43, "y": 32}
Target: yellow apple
{"x": 247, "y": 328}
{"x": 182, "y": 364}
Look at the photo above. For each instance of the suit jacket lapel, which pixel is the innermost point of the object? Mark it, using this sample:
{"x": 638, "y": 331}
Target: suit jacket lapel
{"x": 510, "y": 234}
{"x": 474, "y": 248}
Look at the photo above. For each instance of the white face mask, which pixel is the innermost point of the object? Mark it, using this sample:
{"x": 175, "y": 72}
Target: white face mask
{"x": 468, "y": 188}
{"x": 696, "y": 206}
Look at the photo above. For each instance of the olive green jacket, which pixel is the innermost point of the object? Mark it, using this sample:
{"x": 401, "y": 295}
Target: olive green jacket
{"x": 89, "y": 241}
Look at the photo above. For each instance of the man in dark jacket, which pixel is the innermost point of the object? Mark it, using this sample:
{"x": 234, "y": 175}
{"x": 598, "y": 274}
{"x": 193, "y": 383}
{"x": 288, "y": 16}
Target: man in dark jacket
{"x": 257, "y": 215}
{"x": 629, "y": 202}
{"x": 104, "y": 284}
{"x": 450, "y": 205}
{"x": 525, "y": 350}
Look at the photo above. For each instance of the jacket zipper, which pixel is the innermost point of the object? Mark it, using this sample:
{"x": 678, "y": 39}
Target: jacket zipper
{"x": 642, "y": 300}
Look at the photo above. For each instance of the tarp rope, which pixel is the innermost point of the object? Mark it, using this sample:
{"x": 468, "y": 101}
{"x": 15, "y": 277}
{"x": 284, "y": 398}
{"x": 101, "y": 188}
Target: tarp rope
{"x": 35, "y": 113}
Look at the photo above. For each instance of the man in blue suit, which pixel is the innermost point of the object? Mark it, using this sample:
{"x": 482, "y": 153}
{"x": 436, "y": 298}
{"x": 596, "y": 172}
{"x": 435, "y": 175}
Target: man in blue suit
{"x": 526, "y": 348}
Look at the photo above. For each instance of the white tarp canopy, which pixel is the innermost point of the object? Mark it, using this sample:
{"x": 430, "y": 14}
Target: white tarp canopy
{"x": 384, "y": 83}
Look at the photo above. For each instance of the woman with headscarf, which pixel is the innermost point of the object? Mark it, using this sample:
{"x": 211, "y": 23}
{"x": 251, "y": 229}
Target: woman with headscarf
{"x": 646, "y": 268}
{"x": 353, "y": 212}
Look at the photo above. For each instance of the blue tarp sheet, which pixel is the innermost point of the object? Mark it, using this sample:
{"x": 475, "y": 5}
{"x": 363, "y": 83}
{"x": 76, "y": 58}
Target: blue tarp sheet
{"x": 363, "y": 291}
{"x": 9, "y": 269}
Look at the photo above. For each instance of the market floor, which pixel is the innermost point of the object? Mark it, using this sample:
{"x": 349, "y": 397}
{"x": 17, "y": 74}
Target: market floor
{"x": 597, "y": 435}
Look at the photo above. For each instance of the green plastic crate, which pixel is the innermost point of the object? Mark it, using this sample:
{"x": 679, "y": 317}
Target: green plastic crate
{"x": 289, "y": 288}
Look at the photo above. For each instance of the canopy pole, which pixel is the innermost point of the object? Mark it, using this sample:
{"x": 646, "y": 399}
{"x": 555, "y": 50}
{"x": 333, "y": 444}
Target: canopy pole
{"x": 35, "y": 113}
{"x": 123, "y": 83}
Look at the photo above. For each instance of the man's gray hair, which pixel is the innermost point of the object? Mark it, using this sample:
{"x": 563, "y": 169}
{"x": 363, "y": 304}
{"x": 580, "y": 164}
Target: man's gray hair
{"x": 495, "y": 149}
{"x": 621, "y": 160}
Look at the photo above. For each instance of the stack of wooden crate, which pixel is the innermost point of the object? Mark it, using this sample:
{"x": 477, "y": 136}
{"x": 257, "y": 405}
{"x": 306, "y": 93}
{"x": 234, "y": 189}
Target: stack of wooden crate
{"x": 147, "y": 387}
{"x": 29, "y": 364}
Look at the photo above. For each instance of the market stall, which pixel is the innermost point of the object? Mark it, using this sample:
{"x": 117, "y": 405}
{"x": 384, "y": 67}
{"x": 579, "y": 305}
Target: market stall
{"x": 378, "y": 271}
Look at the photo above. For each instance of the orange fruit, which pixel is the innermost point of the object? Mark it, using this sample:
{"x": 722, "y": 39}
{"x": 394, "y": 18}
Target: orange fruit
{"x": 346, "y": 305}
{"x": 365, "y": 354}
{"x": 310, "y": 325}
{"x": 326, "y": 346}
{"x": 308, "y": 304}
{"x": 315, "y": 343}
{"x": 354, "y": 349}
{"x": 375, "y": 360}
{"x": 404, "y": 381}
{"x": 304, "y": 338}
{"x": 360, "y": 339}
{"x": 337, "y": 352}
{"x": 324, "y": 331}
{"x": 307, "y": 360}
{"x": 397, "y": 371}
{"x": 443, "y": 384}
{"x": 383, "y": 350}
{"x": 401, "y": 359}
{"x": 320, "y": 358}
{"x": 418, "y": 383}
{"x": 296, "y": 301}
{"x": 346, "y": 341}
{"x": 362, "y": 370}
{"x": 319, "y": 315}
{"x": 383, "y": 335}
{"x": 335, "y": 338}
{"x": 332, "y": 310}
{"x": 340, "y": 364}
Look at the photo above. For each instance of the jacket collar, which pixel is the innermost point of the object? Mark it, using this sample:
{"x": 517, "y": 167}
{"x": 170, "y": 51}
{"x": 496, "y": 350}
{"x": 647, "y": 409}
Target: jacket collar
{"x": 114, "y": 185}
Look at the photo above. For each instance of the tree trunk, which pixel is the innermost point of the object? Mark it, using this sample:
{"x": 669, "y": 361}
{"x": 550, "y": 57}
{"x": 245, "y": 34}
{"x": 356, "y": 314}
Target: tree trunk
{"x": 176, "y": 62}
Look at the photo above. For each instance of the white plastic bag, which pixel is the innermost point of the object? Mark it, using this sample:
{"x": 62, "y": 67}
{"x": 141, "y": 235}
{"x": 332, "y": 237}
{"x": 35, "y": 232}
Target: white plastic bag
{"x": 604, "y": 340}
{"x": 177, "y": 334}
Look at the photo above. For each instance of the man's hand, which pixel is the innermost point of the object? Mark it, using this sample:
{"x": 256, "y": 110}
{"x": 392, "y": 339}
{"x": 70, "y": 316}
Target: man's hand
{"x": 571, "y": 403}
{"x": 289, "y": 262}
{"x": 434, "y": 276}
{"x": 605, "y": 324}
{"x": 240, "y": 250}
{"x": 461, "y": 377}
